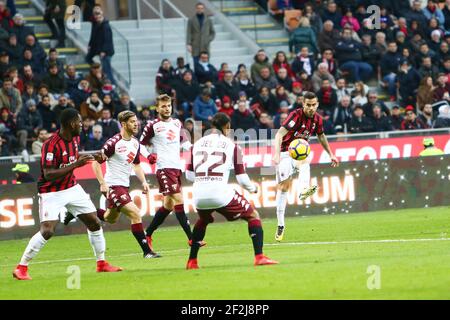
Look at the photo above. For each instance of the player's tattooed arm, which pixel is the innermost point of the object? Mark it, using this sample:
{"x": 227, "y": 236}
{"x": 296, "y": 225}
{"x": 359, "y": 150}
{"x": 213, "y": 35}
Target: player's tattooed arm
{"x": 324, "y": 142}
{"x": 278, "y": 141}
{"x": 141, "y": 176}
{"x": 56, "y": 173}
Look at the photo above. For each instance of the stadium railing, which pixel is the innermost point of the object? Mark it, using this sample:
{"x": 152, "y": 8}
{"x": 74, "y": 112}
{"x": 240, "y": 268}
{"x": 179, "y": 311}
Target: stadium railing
{"x": 268, "y": 142}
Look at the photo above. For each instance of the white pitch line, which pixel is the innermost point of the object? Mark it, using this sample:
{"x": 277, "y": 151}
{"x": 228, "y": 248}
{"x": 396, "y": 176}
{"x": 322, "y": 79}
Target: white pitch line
{"x": 248, "y": 245}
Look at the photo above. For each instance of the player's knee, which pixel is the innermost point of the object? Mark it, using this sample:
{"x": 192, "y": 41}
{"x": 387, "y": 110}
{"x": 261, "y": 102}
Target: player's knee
{"x": 93, "y": 225}
{"x": 47, "y": 233}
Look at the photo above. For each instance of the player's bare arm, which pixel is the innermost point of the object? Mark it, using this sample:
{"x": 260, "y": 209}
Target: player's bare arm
{"x": 326, "y": 146}
{"x": 54, "y": 174}
{"x": 97, "y": 168}
{"x": 278, "y": 141}
{"x": 141, "y": 176}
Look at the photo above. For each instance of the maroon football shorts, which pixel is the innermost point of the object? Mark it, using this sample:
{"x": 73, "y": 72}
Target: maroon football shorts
{"x": 238, "y": 208}
{"x": 118, "y": 197}
{"x": 169, "y": 181}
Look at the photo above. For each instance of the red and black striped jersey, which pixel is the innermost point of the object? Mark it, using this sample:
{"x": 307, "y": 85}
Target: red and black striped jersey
{"x": 300, "y": 127}
{"x": 58, "y": 153}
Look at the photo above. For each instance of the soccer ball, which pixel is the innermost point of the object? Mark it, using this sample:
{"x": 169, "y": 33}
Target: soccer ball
{"x": 299, "y": 149}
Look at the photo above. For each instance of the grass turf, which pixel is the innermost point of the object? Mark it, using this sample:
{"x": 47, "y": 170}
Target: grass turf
{"x": 321, "y": 257}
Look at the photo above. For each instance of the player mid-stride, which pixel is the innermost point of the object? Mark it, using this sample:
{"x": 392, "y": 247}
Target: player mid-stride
{"x": 121, "y": 153}
{"x": 212, "y": 158}
{"x": 167, "y": 136}
{"x": 58, "y": 189}
{"x": 300, "y": 124}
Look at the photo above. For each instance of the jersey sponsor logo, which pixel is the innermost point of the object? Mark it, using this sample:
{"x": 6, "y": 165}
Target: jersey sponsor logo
{"x": 160, "y": 129}
{"x": 64, "y": 153}
{"x": 49, "y": 156}
{"x": 291, "y": 124}
{"x": 131, "y": 157}
{"x": 122, "y": 149}
{"x": 171, "y": 135}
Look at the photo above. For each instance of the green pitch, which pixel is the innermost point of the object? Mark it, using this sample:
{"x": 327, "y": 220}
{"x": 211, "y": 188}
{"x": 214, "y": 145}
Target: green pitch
{"x": 406, "y": 252}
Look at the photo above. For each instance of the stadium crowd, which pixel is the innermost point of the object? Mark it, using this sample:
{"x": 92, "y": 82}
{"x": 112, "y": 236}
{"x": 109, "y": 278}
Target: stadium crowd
{"x": 333, "y": 51}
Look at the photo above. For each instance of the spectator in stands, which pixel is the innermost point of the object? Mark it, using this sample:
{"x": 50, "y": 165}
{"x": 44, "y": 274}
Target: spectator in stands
{"x": 372, "y": 96}
{"x": 283, "y": 79}
{"x": 13, "y": 74}
{"x": 282, "y": 95}
{"x": 29, "y": 93}
{"x": 10, "y": 97}
{"x": 342, "y": 115}
{"x": 411, "y": 122}
{"x": 223, "y": 68}
{"x": 380, "y": 42}
{"x": 14, "y": 49}
{"x": 97, "y": 141}
{"x": 331, "y": 13}
{"x": 109, "y": 125}
{"x": 281, "y": 116}
{"x": 38, "y": 53}
{"x": 443, "y": 118}
{"x": 243, "y": 118}
{"x": 281, "y": 62}
{"x": 200, "y": 33}
{"x": 205, "y": 71}
{"x": 321, "y": 74}
{"x": 42, "y": 136}
{"x": 81, "y": 93}
{"x": 96, "y": 77}
{"x": 428, "y": 69}
{"x": 266, "y": 79}
{"x": 53, "y": 58}
{"x": 349, "y": 20}
{"x": 6, "y": 21}
{"x": 49, "y": 121}
{"x": 92, "y": 107}
{"x": 212, "y": 89}
{"x": 227, "y": 106}
{"x": 245, "y": 83}
{"x": 63, "y": 103}
{"x": 4, "y": 64}
{"x": 88, "y": 7}
{"x": 427, "y": 115}
{"x": 72, "y": 78}
{"x": 359, "y": 94}
{"x": 54, "y": 80}
{"x": 29, "y": 76}
{"x": 349, "y": 54}
{"x": 101, "y": 43}
{"x": 408, "y": 82}
{"x": 181, "y": 68}
{"x": 43, "y": 91}
{"x": 86, "y": 132}
{"x": 261, "y": 61}
{"x": 359, "y": 122}
{"x": 442, "y": 90}
{"x": 8, "y": 129}
{"x": 264, "y": 126}
{"x": 370, "y": 52}
{"x": 341, "y": 88}
{"x": 228, "y": 87}
{"x": 264, "y": 101}
{"x": 425, "y": 93}
{"x": 22, "y": 174}
{"x": 380, "y": 121}
{"x": 125, "y": 104}
{"x": 301, "y": 37}
{"x": 328, "y": 37}
{"x": 396, "y": 118}
{"x": 328, "y": 58}
{"x": 204, "y": 108}
{"x": 303, "y": 62}
{"x": 327, "y": 96}
{"x": 108, "y": 103}
{"x": 314, "y": 18}
{"x": 20, "y": 29}
{"x": 145, "y": 116}
{"x": 432, "y": 10}
{"x": 187, "y": 91}
{"x": 55, "y": 11}
{"x": 165, "y": 79}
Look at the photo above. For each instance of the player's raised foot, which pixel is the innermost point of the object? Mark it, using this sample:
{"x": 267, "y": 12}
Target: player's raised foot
{"x": 192, "y": 264}
{"x": 152, "y": 255}
{"x": 69, "y": 217}
{"x": 279, "y": 234}
{"x": 262, "y": 260}
{"x": 104, "y": 266}
{"x": 308, "y": 192}
{"x": 21, "y": 273}
{"x": 202, "y": 243}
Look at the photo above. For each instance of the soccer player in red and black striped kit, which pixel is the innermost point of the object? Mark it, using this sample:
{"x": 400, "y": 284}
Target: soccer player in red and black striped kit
{"x": 58, "y": 189}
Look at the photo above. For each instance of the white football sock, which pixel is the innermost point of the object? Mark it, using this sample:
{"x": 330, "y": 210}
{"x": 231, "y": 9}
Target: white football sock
{"x": 34, "y": 246}
{"x": 98, "y": 243}
{"x": 304, "y": 177}
{"x": 281, "y": 206}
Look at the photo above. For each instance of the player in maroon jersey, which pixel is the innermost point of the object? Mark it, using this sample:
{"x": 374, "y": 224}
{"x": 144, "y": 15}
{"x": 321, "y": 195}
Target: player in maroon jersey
{"x": 300, "y": 124}
{"x": 58, "y": 189}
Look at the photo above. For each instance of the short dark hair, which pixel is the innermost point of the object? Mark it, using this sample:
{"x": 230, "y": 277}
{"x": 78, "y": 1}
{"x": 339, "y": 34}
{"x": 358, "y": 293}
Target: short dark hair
{"x": 310, "y": 95}
{"x": 220, "y": 120}
{"x": 40, "y": 130}
{"x": 204, "y": 52}
{"x": 68, "y": 116}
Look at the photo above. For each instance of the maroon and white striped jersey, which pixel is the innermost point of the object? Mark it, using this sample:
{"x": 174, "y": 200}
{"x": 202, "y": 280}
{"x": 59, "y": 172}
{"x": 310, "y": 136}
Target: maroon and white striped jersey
{"x": 122, "y": 155}
{"x": 212, "y": 158}
{"x": 58, "y": 153}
